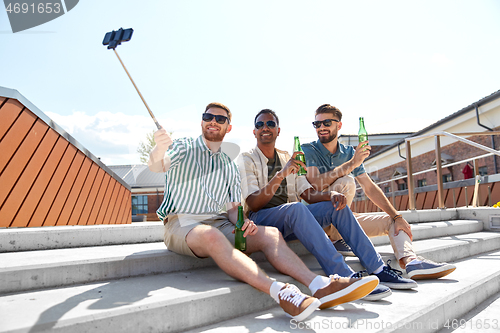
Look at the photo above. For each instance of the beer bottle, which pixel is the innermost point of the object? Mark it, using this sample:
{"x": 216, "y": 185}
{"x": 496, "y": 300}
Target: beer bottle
{"x": 299, "y": 157}
{"x": 362, "y": 133}
{"x": 240, "y": 242}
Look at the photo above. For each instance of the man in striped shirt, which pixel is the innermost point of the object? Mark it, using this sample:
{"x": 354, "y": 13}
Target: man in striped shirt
{"x": 199, "y": 210}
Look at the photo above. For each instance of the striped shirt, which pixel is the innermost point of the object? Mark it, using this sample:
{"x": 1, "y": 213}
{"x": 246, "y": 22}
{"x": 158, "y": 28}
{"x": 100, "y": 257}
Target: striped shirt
{"x": 198, "y": 180}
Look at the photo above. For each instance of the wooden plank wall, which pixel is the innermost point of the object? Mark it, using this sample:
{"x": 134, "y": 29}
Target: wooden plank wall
{"x": 47, "y": 181}
{"x": 429, "y": 200}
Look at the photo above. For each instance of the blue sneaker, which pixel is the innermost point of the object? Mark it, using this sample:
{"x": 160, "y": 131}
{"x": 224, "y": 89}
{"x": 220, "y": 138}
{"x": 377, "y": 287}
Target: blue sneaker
{"x": 392, "y": 278}
{"x": 379, "y": 292}
{"x": 344, "y": 249}
{"x": 420, "y": 269}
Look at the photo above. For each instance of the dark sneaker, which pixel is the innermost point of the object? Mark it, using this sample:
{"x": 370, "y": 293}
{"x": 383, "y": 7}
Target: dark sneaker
{"x": 379, "y": 292}
{"x": 344, "y": 249}
{"x": 343, "y": 290}
{"x": 392, "y": 278}
{"x": 427, "y": 269}
{"x": 297, "y": 305}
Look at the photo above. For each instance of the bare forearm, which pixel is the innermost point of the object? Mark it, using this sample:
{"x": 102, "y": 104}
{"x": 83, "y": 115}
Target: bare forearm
{"x": 232, "y": 211}
{"x": 260, "y": 198}
{"x": 378, "y": 197}
{"x": 312, "y": 196}
{"x": 156, "y": 160}
{"x": 320, "y": 182}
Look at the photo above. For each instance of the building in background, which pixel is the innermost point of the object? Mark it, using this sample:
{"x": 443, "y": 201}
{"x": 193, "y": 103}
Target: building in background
{"x": 387, "y": 166}
{"x": 146, "y": 189}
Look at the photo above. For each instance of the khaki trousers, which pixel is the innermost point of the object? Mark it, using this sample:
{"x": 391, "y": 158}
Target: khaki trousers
{"x": 373, "y": 225}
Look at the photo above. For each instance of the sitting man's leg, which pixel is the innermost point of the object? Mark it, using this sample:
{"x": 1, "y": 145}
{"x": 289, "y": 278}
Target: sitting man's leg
{"x": 294, "y": 219}
{"x": 380, "y": 225}
{"x": 202, "y": 238}
{"x": 343, "y": 220}
{"x": 210, "y": 239}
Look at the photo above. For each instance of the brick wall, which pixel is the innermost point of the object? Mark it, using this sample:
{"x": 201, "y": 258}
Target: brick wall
{"x": 458, "y": 150}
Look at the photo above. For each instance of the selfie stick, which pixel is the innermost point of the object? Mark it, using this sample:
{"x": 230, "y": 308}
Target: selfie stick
{"x": 113, "y": 39}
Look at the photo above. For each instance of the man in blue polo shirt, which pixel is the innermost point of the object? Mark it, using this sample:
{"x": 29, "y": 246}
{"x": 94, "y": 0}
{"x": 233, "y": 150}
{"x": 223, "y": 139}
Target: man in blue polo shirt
{"x": 330, "y": 165}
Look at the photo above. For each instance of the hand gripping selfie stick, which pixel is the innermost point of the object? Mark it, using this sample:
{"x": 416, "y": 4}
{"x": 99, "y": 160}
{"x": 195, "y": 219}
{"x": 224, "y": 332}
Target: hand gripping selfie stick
{"x": 115, "y": 38}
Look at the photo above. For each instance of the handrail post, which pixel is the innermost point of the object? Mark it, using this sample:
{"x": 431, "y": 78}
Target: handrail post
{"x": 476, "y": 167}
{"x": 409, "y": 173}
{"x": 393, "y": 192}
{"x": 439, "y": 172}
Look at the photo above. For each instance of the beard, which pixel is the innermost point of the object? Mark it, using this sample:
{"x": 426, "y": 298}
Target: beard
{"x": 329, "y": 138}
{"x": 213, "y": 137}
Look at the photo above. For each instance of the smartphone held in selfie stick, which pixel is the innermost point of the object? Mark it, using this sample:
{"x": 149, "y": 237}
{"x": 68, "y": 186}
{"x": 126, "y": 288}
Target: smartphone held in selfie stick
{"x": 115, "y": 38}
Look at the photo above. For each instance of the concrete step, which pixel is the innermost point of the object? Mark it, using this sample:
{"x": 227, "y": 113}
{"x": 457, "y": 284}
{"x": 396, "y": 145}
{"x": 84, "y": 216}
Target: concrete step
{"x": 61, "y": 237}
{"x": 425, "y": 309}
{"x": 156, "y": 303}
{"x": 483, "y": 318}
{"x": 450, "y": 248}
{"x": 58, "y": 237}
{"x": 30, "y": 270}
{"x": 20, "y": 271}
{"x": 425, "y": 230}
{"x": 185, "y": 300}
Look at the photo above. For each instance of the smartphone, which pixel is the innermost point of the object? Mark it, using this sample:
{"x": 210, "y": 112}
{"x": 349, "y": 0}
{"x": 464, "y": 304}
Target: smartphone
{"x": 115, "y": 38}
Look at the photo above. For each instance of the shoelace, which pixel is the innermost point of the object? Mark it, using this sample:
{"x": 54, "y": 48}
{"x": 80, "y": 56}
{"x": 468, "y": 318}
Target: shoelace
{"x": 291, "y": 294}
{"x": 391, "y": 271}
{"x": 359, "y": 274}
{"x": 342, "y": 241}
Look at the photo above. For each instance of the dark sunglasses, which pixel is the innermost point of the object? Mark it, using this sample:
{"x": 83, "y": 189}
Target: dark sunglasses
{"x": 326, "y": 122}
{"x": 207, "y": 117}
{"x": 269, "y": 123}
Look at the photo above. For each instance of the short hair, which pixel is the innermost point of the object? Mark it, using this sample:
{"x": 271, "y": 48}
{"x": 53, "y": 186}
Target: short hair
{"x": 327, "y": 108}
{"x": 269, "y": 111}
{"x": 220, "y": 106}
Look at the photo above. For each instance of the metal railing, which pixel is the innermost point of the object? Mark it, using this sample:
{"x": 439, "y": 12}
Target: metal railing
{"x": 437, "y": 140}
{"x": 393, "y": 180}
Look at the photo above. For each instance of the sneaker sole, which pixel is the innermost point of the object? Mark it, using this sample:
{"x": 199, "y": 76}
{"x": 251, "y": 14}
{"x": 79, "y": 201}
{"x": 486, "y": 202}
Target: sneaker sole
{"x": 347, "y": 254}
{"x": 427, "y": 274}
{"x": 377, "y": 296}
{"x": 400, "y": 286}
{"x": 307, "y": 311}
{"x": 355, "y": 291}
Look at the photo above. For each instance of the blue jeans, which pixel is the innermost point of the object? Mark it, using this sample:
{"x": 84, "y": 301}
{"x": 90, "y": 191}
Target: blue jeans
{"x": 305, "y": 223}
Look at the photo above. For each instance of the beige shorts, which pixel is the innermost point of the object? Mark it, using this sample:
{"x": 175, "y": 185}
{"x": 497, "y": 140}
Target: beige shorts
{"x": 179, "y": 225}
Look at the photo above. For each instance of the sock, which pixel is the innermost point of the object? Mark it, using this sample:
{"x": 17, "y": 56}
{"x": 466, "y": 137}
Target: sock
{"x": 378, "y": 270}
{"x": 318, "y": 283}
{"x": 414, "y": 262}
{"x": 275, "y": 289}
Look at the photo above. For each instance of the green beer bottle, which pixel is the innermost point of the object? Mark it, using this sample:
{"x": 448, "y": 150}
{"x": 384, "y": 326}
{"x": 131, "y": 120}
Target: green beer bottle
{"x": 362, "y": 133}
{"x": 299, "y": 157}
{"x": 240, "y": 242}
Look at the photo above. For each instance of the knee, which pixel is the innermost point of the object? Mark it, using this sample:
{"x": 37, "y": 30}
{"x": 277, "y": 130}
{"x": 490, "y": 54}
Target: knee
{"x": 210, "y": 238}
{"x": 345, "y": 185}
{"x": 270, "y": 235}
{"x": 297, "y": 208}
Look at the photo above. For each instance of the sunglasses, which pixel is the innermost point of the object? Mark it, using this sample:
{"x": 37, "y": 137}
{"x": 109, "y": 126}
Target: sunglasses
{"x": 326, "y": 122}
{"x": 269, "y": 123}
{"x": 207, "y": 117}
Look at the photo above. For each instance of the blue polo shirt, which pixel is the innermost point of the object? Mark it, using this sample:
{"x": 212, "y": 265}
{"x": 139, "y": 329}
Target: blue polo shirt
{"x": 317, "y": 155}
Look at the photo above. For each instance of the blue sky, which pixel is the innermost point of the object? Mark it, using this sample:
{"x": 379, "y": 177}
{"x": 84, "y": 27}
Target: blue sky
{"x": 403, "y": 65}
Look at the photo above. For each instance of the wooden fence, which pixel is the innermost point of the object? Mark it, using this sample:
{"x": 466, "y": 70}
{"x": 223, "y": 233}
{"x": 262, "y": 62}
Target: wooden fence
{"x": 489, "y": 194}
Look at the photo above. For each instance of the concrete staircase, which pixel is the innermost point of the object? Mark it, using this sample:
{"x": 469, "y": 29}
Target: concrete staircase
{"x": 121, "y": 278}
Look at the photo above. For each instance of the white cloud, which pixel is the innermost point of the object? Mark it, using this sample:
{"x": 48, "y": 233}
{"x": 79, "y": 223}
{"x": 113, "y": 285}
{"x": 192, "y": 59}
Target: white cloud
{"x": 114, "y": 137}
